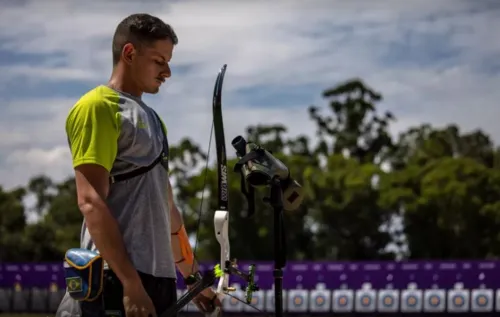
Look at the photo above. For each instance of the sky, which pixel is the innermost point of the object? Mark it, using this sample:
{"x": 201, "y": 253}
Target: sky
{"x": 434, "y": 61}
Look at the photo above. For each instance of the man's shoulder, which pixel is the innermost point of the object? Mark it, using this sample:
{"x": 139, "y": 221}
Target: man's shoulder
{"x": 98, "y": 105}
{"x": 100, "y": 96}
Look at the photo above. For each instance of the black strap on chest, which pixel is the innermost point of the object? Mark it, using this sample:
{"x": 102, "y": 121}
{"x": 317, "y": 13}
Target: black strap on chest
{"x": 145, "y": 169}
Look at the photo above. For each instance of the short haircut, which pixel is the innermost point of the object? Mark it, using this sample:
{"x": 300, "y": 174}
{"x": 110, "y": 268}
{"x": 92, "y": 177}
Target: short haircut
{"x": 140, "y": 29}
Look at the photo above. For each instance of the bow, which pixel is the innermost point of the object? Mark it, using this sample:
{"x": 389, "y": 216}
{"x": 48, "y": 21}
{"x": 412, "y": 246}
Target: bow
{"x": 226, "y": 267}
{"x": 221, "y": 216}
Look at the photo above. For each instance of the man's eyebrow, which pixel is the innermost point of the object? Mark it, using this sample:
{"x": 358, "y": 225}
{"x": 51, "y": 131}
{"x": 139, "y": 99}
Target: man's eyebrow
{"x": 158, "y": 54}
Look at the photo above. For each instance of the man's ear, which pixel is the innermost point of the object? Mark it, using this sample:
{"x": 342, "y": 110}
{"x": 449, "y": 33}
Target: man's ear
{"x": 128, "y": 53}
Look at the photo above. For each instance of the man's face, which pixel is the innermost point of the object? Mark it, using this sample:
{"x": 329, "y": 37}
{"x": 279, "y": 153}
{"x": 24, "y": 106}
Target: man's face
{"x": 150, "y": 66}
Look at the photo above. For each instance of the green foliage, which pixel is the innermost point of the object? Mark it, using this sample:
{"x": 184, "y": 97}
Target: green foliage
{"x": 443, "y": 184}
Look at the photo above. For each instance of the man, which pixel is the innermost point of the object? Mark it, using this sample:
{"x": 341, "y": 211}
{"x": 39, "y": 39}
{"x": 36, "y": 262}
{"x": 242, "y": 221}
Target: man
{"x": 132, "y": 221}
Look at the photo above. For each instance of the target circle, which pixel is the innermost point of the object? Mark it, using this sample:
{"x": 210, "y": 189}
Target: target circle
{"x": 342, "y": 300}
{"x": 388, "y": 300}
{"x": 411, "y": 301}
{"x": 365, "y": 300}
{"x": 233, "y": 301}
{"x": 434, "y": 300}
{"x": 298, "y": 300}
{"x": 320, "y": 300}
{"x": 458, "y": 300}
{"x": 482, "y": 301}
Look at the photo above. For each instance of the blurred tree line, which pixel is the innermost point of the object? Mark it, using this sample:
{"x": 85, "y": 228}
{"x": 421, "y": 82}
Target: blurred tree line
{"x": 432, "y": 192}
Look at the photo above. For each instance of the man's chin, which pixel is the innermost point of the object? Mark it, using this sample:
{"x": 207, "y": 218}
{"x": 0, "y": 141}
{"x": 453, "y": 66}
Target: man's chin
{"x": 152, "y": 90}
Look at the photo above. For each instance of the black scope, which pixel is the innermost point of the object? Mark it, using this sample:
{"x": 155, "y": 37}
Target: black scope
{"x": 240, "y": 145}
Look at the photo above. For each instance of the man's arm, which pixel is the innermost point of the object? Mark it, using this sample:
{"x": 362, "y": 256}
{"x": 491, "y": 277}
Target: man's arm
{"x": 92, "y": 185}
{"x": 183, "y": 253}
{"x": 207, "y": 300}
{"x": 92, "y": 133}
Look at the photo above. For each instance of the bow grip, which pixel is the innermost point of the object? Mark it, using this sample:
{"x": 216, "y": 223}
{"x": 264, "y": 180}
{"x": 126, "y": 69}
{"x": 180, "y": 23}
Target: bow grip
{"x": 207, "y": 280}
{"x": 215, "y": 313}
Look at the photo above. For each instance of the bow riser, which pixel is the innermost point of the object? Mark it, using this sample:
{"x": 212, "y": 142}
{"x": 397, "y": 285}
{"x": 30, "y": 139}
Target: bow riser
{"x": 221, "y": 226}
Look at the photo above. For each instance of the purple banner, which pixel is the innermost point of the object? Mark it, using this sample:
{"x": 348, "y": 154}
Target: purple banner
{"x": 306, "y": 275}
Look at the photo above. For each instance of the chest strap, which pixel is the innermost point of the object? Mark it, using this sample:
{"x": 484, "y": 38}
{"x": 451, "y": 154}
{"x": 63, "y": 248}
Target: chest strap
{"x": 145, "y": 169}
{"x": 136, "y": 172}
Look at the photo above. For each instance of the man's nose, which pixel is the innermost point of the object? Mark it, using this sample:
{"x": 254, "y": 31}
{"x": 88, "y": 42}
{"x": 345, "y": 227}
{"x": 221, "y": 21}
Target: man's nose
{"x": 166, "y": 73}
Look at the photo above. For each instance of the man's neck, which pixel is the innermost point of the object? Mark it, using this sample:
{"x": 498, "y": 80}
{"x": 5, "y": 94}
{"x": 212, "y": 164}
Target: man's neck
{"x": 118, "y": 81}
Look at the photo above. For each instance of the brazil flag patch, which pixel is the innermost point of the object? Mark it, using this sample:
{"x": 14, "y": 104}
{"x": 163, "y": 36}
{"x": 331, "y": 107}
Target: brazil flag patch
{"x": 75, "y": 284}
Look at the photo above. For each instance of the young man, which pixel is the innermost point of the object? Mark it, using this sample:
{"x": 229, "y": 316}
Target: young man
{"x": 132, "y": 222}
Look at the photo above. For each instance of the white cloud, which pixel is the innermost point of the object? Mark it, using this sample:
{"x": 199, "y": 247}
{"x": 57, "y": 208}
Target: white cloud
{"x": 27, "y": 163}
{"x": 47, "y": 73}
{"x": 279, "y": 46}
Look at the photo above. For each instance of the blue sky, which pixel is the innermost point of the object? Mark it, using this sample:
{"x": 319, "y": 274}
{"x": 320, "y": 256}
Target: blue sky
{"x": 434, "y": 61}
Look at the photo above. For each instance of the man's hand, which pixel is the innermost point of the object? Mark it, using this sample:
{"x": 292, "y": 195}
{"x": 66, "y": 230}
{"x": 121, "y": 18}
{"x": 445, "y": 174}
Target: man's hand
{"x": 207, "y": 301}
{"x": 137, "y": 302}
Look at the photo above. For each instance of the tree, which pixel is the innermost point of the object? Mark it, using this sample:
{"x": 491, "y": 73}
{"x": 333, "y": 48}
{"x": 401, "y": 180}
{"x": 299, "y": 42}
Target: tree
{"x": 355, "y": 127}
{"x": 63, "y": 218}
{"x": 343, "y": 202}
{"x": 42, "y": 187}
{"x": 354, "y": 141}
{"x": 445, "y": 182}
{"x": 12, "y": 224}
{"x": 419, "y": 145}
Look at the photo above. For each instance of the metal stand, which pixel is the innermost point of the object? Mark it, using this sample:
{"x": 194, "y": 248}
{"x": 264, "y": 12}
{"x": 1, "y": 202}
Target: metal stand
{"x": 276, "y": 201}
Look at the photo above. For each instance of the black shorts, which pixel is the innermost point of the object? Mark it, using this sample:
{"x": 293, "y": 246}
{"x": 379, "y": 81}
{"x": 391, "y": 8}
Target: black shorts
{"x": 162, "y": 291}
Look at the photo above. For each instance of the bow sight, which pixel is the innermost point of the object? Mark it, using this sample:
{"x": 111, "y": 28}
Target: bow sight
{"x": 259, "y": 168}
